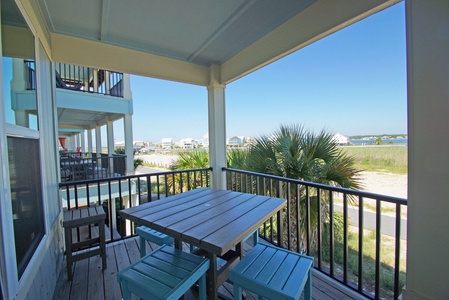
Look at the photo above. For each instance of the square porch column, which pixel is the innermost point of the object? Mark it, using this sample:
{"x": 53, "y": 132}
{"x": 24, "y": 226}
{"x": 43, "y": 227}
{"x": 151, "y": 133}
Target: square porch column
{"x": 217, "y": 128}
{"x": 129, "y": 149}
{"x": 427, "y": 29}
{"x": 110, "y": 144}
{"x": 98, "y": 141}
{"x": 89, "y": 143}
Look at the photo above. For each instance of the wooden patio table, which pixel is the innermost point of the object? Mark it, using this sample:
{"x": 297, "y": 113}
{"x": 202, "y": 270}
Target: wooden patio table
{"x": 214, "y": 221}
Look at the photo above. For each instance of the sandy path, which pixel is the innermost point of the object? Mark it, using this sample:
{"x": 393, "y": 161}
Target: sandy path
{"x": 385, "y": 183}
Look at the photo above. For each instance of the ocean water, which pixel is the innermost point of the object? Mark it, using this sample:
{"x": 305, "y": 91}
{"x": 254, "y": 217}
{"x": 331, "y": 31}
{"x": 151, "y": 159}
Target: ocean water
{"x": 371, "y": 141}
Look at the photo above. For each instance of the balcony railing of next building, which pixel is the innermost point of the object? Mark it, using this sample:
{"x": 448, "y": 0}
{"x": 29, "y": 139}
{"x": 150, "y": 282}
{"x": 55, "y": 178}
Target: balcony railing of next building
{"x": 342, "y": 229}
{"x": 76, "y": 166}
{"x": 82, "y": 79}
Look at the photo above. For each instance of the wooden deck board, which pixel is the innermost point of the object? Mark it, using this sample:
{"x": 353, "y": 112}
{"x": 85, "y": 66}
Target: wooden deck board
{"x": 95, "y": 287}
{"x": 112, "y": 290}
{"x": 90, "y": 282}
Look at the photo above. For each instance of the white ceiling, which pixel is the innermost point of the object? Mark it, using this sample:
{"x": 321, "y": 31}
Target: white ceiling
{"x": 201, "y": 31}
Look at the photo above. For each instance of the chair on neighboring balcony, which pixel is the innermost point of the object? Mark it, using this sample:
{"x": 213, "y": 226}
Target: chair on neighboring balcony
{"x": 65, "y": 174}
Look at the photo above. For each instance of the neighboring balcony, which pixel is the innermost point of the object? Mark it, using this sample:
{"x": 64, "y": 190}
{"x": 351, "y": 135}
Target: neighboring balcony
{"x": 77, "y": 166}
{"x": 358, "y": 247}
{"x": 85, "y": 97}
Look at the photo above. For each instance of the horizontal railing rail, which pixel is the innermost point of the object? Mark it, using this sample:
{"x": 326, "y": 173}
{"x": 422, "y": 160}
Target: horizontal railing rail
{"x": 344, "y": 230}
{"x": 129, "y": 191}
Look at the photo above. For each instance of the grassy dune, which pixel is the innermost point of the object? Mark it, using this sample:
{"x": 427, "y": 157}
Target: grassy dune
{"x": 385, "y": 158}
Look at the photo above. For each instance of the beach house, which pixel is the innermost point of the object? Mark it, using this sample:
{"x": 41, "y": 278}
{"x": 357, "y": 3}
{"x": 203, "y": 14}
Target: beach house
{"x": 210, "y": 44}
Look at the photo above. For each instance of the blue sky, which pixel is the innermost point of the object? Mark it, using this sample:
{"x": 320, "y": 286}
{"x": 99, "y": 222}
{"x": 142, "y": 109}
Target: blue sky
{"x": 352, "y": 82}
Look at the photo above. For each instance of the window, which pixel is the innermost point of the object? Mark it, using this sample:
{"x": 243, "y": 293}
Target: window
{"x": 26, "y": 197}
{"x": 22, "y": 137}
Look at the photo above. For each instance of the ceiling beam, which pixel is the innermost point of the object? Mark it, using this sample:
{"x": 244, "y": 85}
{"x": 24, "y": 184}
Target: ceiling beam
{"x": 104, "y": 20}
{"x": 312, "y": 24}
{"x": 82, "y": 52}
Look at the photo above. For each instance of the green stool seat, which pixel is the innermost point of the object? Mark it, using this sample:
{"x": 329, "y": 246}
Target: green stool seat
{"x": 273, "y": 273}
{"x": 152, "y": 235}
{"x": 166, "y": 273}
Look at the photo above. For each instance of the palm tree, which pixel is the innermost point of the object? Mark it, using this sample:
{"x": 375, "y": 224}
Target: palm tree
{"x": 292, "y": 152}
{"x": 200, "y": 159}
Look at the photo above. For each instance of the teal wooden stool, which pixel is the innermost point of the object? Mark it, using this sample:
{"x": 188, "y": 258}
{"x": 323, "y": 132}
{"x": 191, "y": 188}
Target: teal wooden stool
{"x": 166, "y": 273}
{"x": 152, "y": 235}
{"x": 273, "y": 273}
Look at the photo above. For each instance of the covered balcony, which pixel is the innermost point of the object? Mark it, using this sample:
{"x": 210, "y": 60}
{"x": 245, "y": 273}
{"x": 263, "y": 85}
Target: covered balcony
{"x": 209, "y": 44}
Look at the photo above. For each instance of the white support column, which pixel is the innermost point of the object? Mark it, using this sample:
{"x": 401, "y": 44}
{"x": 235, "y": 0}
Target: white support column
{"x": 89, "y": 142}
{"x": 22, "y": 118}
{"x": 110, "y": 143}
{"x": 107, "y": 82}
{"x": 126, "y": 85}
{"x": 71, "y": 143}
{"x": 217, "y": 128}
{"x": 427, "y": 24}
{"x": 78, "y": 140}
{"x": 83, "y": 142}
{"x": 19, "y": 82}
{"x": 134, "y": 200}
{"x": 95, "y": 71}
{"x": 129, "y": 149}
{"x": 98, "y": 140}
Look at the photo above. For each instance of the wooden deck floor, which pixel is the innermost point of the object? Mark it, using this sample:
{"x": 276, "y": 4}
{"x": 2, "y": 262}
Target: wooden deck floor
{"x": 90, "y": 282}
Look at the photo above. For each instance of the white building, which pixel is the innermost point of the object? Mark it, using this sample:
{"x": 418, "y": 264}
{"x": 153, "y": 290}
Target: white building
{"x": 167, "y": 143}
{"x": 340, "y": 139}
{"x": 188, "y": 143}
{"x": 236, "y": 141}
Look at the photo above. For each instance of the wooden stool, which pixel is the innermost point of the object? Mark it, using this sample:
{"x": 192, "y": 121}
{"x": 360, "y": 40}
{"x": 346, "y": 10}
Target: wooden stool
{"x": 75, "y": 218}
{"x": 273, "y": 273}
{"x": 166, "y": 273}
{"x": 152, "y": 235}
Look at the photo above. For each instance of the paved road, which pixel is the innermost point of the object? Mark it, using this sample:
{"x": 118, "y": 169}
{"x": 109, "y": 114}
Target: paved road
{"x": 388, "y": 223}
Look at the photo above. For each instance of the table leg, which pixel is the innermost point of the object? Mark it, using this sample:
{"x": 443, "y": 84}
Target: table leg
{"x": 239, "y": 249}
{"x": 178, "y": 244}
{"x": 212, "y": 277}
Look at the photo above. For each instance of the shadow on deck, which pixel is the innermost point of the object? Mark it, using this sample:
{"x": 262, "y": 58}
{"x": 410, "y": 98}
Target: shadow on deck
{"x": 90, "y": 282}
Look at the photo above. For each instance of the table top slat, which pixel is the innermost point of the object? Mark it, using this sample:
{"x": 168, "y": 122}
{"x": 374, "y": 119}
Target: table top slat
{"x": 179, "y": 206}
{"x": 145, "y": 211}
{"x": 210, "y": 218}
{"x": 155, "y": 204}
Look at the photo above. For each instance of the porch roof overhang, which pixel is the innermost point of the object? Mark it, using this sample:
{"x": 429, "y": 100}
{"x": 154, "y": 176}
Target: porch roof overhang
{"x": 180, "y": 40}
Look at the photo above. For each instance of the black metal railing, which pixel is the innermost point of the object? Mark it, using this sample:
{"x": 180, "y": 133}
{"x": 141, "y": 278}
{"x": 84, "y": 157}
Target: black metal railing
{"x": 77, "y": 166}
{"x": 129, "y": 191}
{"x": 338, "y": 227}
{"x": 346, "y": 231}
{"x": 85, "y": 79}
